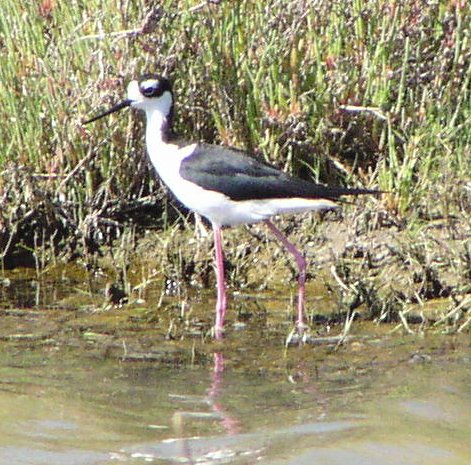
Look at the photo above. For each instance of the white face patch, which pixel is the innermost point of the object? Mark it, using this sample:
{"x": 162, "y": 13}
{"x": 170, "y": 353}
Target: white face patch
{"x": 134, "y": 93}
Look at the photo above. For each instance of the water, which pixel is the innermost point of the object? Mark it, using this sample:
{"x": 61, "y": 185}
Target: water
{"x": 86, "y": 387}
{"x": 62, "y": 406}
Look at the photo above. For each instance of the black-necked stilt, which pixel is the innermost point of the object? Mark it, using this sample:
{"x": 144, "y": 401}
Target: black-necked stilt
{"x": 224, "y": 185}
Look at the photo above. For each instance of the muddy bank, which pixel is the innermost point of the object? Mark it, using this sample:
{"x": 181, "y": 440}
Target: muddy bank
{"x": 363, "y": 266}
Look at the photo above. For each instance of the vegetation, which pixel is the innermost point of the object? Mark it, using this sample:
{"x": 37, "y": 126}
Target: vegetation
{"x": 364, "y": 93}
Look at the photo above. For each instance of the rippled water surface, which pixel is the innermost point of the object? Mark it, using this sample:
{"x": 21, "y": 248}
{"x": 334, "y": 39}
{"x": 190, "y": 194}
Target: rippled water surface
{"x": 105, "y": 387}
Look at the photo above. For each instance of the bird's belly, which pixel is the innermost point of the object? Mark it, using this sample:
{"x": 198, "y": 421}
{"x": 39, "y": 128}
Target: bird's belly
{"x": 215, "y": 206}
{"x": 222, "y": 211}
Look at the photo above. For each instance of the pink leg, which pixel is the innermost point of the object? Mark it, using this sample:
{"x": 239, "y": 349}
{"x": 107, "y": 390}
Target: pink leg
{"x": 301, "y": 262}
{"x": 221, "y": 300}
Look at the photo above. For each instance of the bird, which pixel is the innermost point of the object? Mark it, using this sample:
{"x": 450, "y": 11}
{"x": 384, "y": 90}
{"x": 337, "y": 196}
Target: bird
{"x": 225, "y": 185}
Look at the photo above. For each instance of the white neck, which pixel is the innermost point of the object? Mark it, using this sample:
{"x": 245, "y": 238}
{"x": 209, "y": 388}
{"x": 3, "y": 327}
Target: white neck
{"x": 160, "y": 151}
{"x": 156, "y": 129}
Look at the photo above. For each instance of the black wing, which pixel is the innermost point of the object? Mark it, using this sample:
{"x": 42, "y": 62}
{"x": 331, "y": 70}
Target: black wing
{"x": 241, "y": 177}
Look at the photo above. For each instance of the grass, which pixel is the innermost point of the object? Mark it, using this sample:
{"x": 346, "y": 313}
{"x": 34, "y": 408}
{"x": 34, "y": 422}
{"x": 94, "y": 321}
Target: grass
{"x": 364, "y": 93}
{"x": 270, "y": 77}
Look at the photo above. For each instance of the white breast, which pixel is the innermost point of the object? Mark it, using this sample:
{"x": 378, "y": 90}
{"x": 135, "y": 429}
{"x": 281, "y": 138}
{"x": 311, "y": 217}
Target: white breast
{"x": 166, "y": 159}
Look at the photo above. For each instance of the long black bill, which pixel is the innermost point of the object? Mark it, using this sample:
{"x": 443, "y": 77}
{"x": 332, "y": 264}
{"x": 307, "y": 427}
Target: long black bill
{"x": 115, "y": 108}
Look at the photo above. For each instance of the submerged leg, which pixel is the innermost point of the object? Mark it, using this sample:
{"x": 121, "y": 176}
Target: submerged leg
{"x": 221, "y": 299}
{"x": 301, "y": 262}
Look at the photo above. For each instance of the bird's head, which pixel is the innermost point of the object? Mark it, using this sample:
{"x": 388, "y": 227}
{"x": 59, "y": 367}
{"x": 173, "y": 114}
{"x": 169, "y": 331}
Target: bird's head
{"x": 150, "y": 93}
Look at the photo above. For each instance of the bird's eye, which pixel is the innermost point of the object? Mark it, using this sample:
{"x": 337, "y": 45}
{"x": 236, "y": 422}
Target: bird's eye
{"x": 150, "y": 88}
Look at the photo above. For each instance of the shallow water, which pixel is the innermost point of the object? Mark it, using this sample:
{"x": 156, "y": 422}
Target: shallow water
{"x": 60, "y": 405}
{"x": 103, "y": 387}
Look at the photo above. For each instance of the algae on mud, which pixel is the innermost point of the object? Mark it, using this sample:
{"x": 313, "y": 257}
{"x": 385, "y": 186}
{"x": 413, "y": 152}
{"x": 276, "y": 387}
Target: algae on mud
{"x": 69, "y": 309}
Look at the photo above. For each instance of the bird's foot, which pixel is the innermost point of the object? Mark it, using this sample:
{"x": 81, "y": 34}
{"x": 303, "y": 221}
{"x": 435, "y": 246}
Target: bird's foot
{"x": 298, "y": 335}
{"x": 217, "y": 333}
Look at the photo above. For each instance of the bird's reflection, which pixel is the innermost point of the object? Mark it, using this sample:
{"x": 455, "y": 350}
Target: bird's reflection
{"x": 229, "y": 423}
